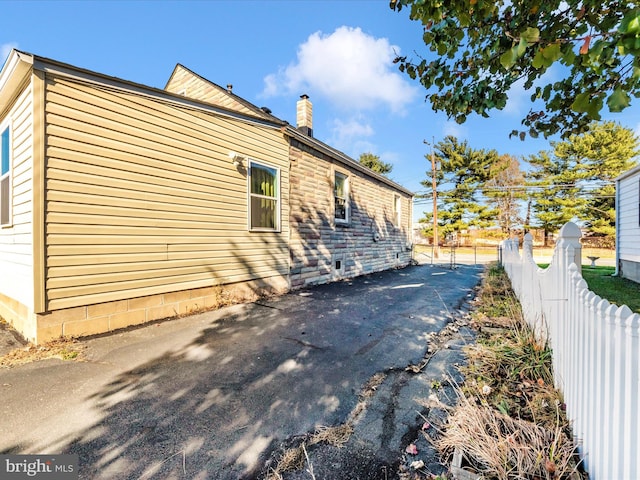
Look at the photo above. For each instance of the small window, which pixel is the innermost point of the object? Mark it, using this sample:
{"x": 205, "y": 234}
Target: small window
{"x": 5, "y": 178}
{"x": 397, "y": 212}
{"x": 341, "y": 197}
{"x": 264, "y": 198}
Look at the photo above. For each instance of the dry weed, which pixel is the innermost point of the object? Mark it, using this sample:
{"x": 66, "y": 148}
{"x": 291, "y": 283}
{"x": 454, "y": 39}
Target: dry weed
{"x": 498, "y": 446}
{"x": 294, "y": 459}
{"x": 509, "y": 423}
{"x": 291, "y": 460}
{"x": 508, "y": 367}
{"x": 372, "y": 385}
{"x": 62, "y": 348}
{"x": 336, "y": 436}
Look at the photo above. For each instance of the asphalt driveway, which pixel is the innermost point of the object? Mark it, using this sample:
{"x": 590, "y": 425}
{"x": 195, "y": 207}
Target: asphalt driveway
{"x": 218, "y": 394}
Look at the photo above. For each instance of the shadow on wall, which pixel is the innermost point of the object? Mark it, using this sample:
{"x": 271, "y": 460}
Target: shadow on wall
{"x": 323, "y": 250}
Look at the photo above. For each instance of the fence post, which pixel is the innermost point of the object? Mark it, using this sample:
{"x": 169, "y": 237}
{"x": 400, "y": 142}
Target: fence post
{"x": 619, "y": 393}
{"x": 530, "y": 284}
{"x": 569, "y": 236}
{"x": 568, "y": 250}
{"x": 527, "y": 244}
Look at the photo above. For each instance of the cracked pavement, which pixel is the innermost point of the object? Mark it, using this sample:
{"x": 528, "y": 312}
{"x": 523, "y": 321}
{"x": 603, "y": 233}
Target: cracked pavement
{"x": 222, "y": 393}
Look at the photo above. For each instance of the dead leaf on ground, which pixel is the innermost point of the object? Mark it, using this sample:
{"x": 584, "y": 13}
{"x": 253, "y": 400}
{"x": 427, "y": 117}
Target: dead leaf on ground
{"x": 62, "y": 348}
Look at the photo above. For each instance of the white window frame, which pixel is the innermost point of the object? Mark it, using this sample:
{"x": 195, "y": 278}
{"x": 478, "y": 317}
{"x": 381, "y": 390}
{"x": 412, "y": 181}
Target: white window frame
{"x": 250, "y": 195}
{"x": 397, "y": 210}
{"x": 347, "y": 198}
{"x": 6, "y": 126}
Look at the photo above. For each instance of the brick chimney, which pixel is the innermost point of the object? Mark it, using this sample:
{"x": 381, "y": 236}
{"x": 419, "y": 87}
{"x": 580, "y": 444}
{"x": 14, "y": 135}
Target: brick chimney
{"x": 304, "y": 115}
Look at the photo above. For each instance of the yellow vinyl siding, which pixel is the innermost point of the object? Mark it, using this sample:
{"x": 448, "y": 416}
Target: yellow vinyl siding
{"x": 79, "y": 277}
{"x": 143, "y": 199}
{"x": 135, "y": 186}
{"x": 195, "y": 87}
{"x": 107, "y": 292}
{"x": 153, "y": 256}
{"x": 182, "y": 122}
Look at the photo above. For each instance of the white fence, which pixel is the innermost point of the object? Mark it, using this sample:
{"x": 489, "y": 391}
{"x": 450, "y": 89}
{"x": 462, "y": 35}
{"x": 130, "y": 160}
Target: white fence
{"x": 596, "y": 353}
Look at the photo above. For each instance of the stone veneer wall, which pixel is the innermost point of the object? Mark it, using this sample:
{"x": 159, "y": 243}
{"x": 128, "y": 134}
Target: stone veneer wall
{"x": 318, "y": 243}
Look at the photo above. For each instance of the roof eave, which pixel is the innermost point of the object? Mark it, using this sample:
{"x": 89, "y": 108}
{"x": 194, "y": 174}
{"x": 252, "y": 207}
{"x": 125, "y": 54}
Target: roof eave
{"x": 342, "y": 158}
{"x": 257, "y": 110}
{"x": 628, "y": 173}
{"x": 55, "y": 67}
{"x": 14, "y": 72}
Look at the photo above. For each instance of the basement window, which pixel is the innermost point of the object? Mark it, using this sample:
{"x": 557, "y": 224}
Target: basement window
{"x": 5, "y": 177}
{"x": 264, "y": 198}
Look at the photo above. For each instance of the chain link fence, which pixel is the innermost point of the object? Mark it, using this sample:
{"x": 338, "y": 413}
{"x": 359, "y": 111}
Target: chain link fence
{"x": 454, "y": 256}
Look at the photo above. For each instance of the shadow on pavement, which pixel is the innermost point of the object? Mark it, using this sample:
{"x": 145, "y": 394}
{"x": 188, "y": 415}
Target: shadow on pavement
{"x": 260, "y": 374}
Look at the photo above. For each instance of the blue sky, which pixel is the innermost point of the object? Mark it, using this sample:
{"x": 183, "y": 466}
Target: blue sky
{"x": 339, "y": 52}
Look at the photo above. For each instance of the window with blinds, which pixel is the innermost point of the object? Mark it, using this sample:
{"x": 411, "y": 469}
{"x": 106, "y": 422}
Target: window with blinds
{"x": 264, "y": 198}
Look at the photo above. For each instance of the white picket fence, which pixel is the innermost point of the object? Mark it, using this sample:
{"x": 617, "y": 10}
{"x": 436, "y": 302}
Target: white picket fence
{"x": 596, "y": 353}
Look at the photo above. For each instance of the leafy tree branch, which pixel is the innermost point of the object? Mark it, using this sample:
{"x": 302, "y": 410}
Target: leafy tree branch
{"x": 479, "y": 49}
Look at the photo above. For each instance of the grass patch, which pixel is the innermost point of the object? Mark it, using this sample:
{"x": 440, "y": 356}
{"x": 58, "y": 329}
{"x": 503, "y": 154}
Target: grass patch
{"x": 618, "y": 290}
{"x": 508, "y": 367}
{"x": 602, "y": 253}
{"x": 496, "y": 298}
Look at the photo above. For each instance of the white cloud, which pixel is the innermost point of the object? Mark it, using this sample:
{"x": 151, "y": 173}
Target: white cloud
{"x": 451, "y": 127}
{"x": 352, "y": 128}
{"x": 350, "y": 68}
{"x": 5, "y": 49}
{"x": 637, "y": 130}
{"x": 350, "y": 136}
